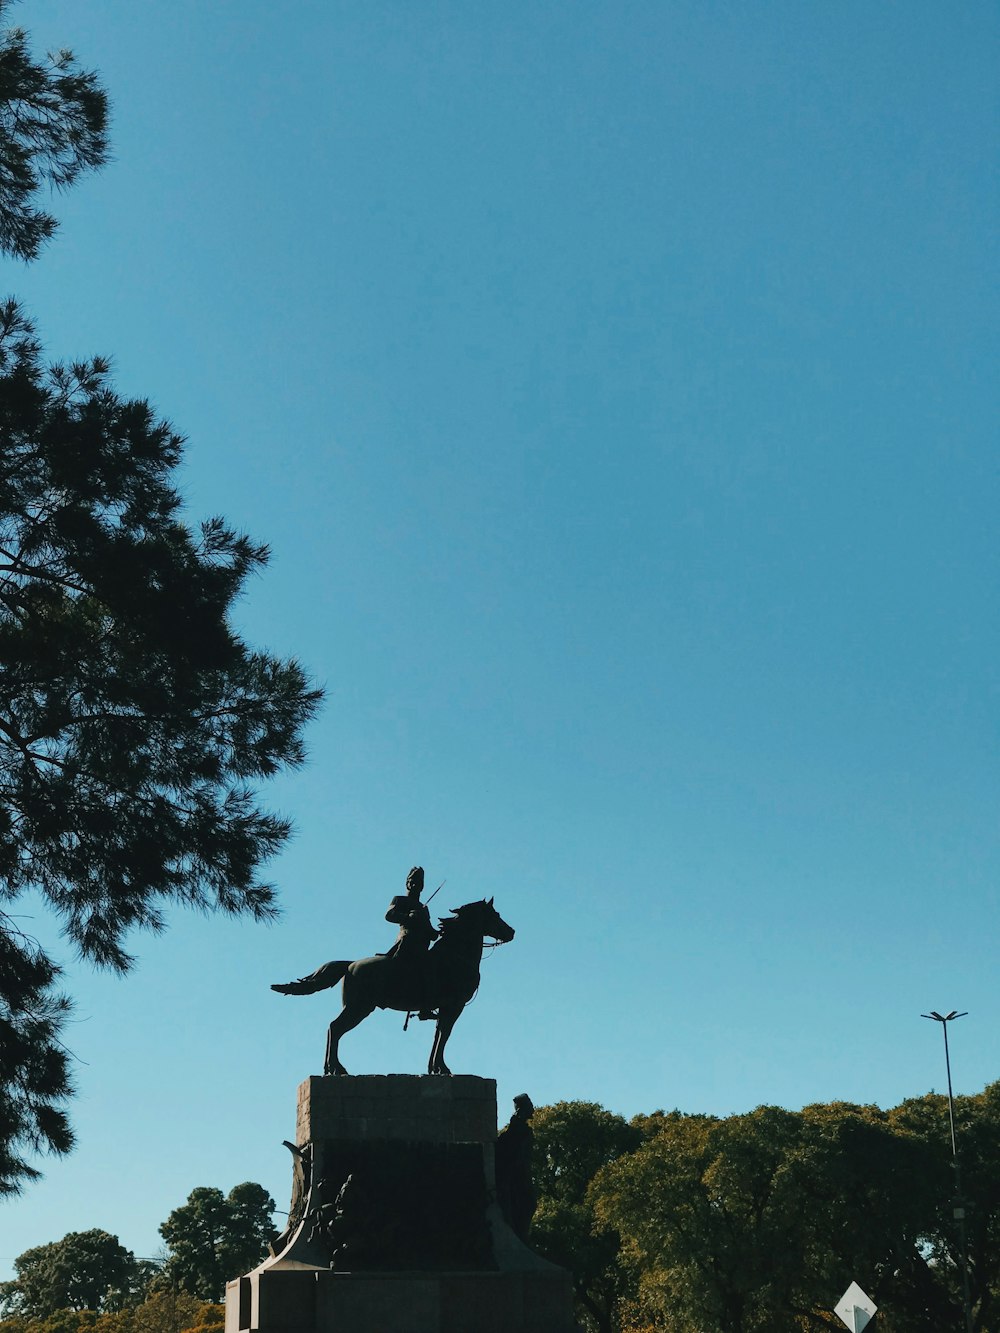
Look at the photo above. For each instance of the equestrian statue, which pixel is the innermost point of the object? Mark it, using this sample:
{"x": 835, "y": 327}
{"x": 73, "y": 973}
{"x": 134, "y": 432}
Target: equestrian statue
{"x": 431, "y": 973}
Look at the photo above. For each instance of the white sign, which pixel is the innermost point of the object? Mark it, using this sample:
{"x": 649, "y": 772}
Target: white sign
{"x": 855, "y": 1308}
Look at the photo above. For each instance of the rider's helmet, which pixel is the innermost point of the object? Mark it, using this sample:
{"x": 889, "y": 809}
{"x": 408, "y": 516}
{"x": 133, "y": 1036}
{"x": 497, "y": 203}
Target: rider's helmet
{"x": 415, "y": 881}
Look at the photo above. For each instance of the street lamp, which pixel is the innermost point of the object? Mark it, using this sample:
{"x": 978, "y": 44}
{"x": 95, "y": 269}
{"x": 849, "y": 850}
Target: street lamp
{"x": 959, "y": 1211}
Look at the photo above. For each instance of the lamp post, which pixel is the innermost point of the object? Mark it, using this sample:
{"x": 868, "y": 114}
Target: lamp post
{"x": 959, "y": 1209}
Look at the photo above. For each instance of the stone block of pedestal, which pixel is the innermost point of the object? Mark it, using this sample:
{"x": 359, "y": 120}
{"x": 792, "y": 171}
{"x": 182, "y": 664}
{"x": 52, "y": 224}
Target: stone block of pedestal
{"x": 394, "y": 1226}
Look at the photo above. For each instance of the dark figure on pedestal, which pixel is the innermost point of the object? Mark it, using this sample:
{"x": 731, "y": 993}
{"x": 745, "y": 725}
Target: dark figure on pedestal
{"x": 414, "y": 939}
{"x": 409, "y": 951}
{"x": 515, "y": 1186}
{"x": 412, "y": 977}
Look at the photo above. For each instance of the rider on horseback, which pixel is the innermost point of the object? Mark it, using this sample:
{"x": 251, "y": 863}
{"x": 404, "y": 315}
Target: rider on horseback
{"x": 447, "y": 977}
{"x": 414, "y": 938}
{"x": 409, "y": 953}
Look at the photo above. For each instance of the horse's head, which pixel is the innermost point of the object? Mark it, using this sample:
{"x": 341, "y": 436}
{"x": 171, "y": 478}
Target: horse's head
{"x": 487, "y": 920}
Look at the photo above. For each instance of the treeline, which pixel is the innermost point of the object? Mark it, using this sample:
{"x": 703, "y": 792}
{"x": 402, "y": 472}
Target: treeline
{"x": 679, "y": 1223}
{"x": 90, "y": 1281}
{"x": 160, "y": 1312}
{"x": 669, "y": 1223}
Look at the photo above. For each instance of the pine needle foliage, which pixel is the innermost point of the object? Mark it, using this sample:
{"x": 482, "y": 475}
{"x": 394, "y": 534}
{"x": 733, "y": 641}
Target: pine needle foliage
{"x": 53, "y": 126}
{"x": 133, "y": 719}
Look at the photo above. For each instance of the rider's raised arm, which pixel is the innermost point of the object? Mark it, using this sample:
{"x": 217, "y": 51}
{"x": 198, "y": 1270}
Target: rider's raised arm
{"x": 398, "y": 909}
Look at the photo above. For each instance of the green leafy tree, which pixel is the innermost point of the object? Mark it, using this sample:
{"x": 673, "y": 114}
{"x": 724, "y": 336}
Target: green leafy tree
{"x": 867, "y": 1193}
{"x": 214, "y": 1238}
{"x": 933, "y": 1279}
{"x": 656, "y": 1202}
{"x": 67, "y": 1321}
{"x": 132, "y": 717}
{"x": 757, "y": 1222}
{"x": 34, "y": 1078}
{"x": 53, "y": 126}
{"x": 163, "y": 1311}
{"x": 211, "y": 1319}
{"x": 572, "y": 1141}
{"x": 86, "y": 1270}
{"x": 63, "y": 1321}
{"x": 168, "y": 1310}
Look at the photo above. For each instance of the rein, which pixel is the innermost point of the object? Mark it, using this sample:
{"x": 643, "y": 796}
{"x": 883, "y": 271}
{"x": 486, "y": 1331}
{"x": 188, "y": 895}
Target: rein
{"x": 413, "y": 1013}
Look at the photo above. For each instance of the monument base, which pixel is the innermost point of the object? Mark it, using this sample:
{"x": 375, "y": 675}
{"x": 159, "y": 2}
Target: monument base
{"x": 317, "y": 1302}
{"x": 394, "y": 1225}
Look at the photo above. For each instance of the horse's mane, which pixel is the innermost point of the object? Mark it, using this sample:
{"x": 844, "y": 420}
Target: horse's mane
{"x": 446, "y": 924}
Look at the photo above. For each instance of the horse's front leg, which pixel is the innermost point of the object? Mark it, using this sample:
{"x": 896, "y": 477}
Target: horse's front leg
{"x": 345, "y": 1020}
{"x": 446, "y": 1021}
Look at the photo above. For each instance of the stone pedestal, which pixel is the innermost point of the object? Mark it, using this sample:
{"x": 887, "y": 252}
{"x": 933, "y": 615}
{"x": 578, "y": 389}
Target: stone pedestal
{"x": 394, "y": 1226}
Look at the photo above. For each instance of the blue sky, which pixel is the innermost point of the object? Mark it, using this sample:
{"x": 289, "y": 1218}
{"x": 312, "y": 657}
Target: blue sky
{"x": 615, "y": 387}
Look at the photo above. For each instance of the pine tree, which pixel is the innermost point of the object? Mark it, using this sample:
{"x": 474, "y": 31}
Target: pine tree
{"x": 132, "y": 717}
{"x": 214, "y": 1237}
{"x": 53, "y": 126}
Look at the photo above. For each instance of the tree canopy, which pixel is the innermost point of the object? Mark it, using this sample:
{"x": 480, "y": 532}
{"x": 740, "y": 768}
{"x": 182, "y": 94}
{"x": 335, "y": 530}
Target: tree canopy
{"x": 86, "y": 1270}
{"x": 688, "y": 1223}
{"x": 572, "y": 1142}
{"x": 210, "y": 1239}
{"x": 132, "y": 717}
{"x": 214, "y": 1237}
{"x": 162, "y": 1311}
{"x": 934, "y": 1275}
{"x": 53, "y": 126}
{"x": 670, "y": 1223}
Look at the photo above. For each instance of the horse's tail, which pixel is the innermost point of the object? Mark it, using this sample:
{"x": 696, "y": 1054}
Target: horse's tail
{"x": 322, "y": 979}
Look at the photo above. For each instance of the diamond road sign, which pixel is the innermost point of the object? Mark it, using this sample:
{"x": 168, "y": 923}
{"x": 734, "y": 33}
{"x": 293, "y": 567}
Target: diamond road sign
{"x": 855, "y": 1308}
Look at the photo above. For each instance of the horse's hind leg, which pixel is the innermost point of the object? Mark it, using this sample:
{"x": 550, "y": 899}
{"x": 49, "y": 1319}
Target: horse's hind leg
{"x": 345, "y": 1020}
{"x": 446, "y": 1021}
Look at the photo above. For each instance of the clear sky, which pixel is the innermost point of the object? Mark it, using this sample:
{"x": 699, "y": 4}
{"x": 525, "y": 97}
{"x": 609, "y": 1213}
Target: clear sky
{"x": 615, "y": 385}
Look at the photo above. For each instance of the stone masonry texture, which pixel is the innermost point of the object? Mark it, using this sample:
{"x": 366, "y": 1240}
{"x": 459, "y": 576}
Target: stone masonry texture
{"x": 411, "y": 1107}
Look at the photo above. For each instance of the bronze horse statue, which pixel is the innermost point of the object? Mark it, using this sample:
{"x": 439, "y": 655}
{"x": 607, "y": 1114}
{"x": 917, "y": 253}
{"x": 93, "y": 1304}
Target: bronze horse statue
{"x": 447, "y": 979}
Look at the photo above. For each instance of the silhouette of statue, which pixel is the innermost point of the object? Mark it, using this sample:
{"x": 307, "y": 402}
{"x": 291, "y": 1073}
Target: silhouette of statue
{"x": 415, "y": 935}
{"x": 301, "y": 1183}
{"x": 412, "y": 977}
{"x": 515, "y": 1186}
{"x": 409, "y": 950}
